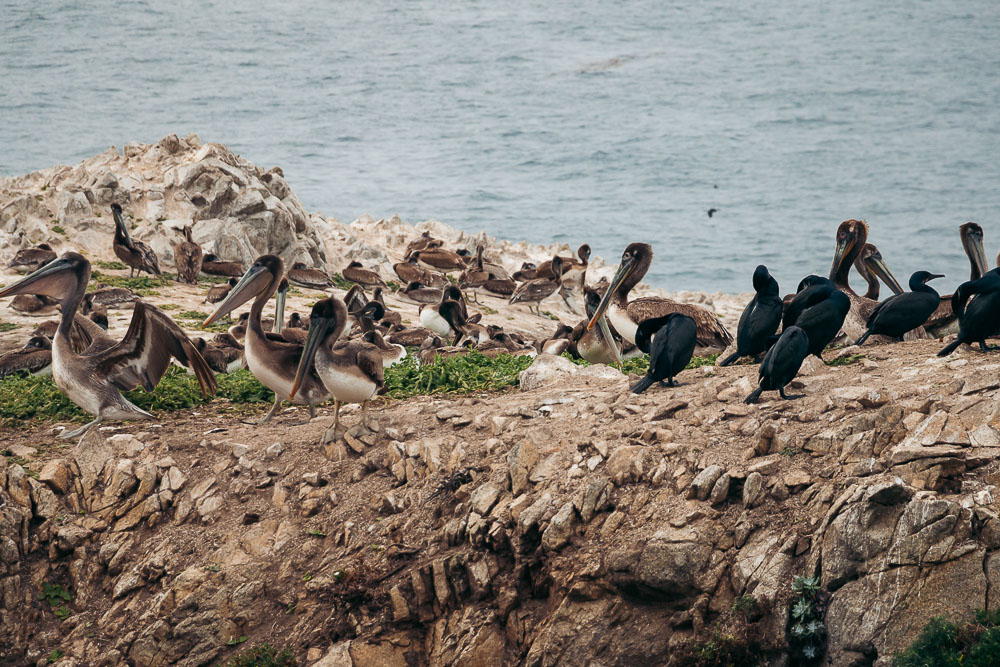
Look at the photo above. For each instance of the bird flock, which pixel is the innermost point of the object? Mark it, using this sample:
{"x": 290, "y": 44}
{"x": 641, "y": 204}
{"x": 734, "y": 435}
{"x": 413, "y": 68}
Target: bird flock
{"x": 340, "y": 351}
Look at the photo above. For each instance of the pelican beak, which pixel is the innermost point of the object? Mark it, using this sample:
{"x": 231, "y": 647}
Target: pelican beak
{"x": 279, "y": 310}
{"x": 249, "y": 286}
{"x": 120, "y": 221}
{"x": 623, "y": 272}
{"x": 844, "y": 246}
{"x": 878, "y": 266}
{"x": 318, "y": 327}
{"x": 50, "y": 280}
{"x": 974, "y": 248}
{"x": 609, "y": 339}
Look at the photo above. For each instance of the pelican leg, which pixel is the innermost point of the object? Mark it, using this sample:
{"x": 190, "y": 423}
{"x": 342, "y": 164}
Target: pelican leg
{"x": 312, "y": 415}
{"x": 331, "y": 432}
{"x": 270, "y": 413}
{"x": 82, "y": 431}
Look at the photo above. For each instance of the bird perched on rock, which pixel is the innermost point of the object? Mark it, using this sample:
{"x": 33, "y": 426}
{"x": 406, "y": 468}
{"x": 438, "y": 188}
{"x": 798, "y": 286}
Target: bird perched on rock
{"x": 760, "y": 318}
{"x": 136, "y": 254}
{"x": 187, "y": 258}
{"x": 904, "y": 312}
{"x": 670, "y": 342}
{"x": 822, "y": 320}
{"x": 782, "y": 362}
{"x": 357, "y": 273}
{"x": 31, "y": 259}
{"x": 301, "y": 275}
{"x": 809, "y": 291}
{"x": 981, "y": 317}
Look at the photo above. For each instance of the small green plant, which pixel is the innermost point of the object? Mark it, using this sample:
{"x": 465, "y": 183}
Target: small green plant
{"x": 261, "y": 655}
{"x": 214, "y": 567}
{"x": 193, "y": 315}
{"x": 806, "y": 631}
{"x": 789, "y": 452}
{"x": 746, "y": 606}
{"x": 549, "y": 315}
{"x": 57, "y": 597}
{"x": 943, "y": 642}
{"x": 8, "y": 326}
{"x": 340, "y": 282}
{"x": 169, "y": 306}
{"x": 110, "y": 266}
{"x": 847, "y": 361}
{"x": 235, "y": 641}
{"x": 487, "y": 310}
{"x": 141, "y": 285}
{"x": 393, "y": 286}
{"x": 315, "y": 533}
{"x": 454, "y": 375}
{"x": 54, "y": 655}
{"x": 307, "y": 576}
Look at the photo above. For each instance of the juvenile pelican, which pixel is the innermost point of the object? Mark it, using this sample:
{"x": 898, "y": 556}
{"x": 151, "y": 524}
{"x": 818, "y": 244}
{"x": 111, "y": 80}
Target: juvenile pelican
{"x": 95, "y": 378}
{"x": 351, "y": 371}
{"x": 537, "y": 290}
{"x": 357, "y": 273}
{"x": 35, "y": 358}
{"x": 943, "y": 320}
{"x": 273, "y": 362}
{"x": 213, "y": 266}
{"x": 851, "y": 238}
{"x": 136, "y": 254}
{"x": 32, "y": 259}
{"x": 301, "y": 275}
{"x": 625, "y": 315}
{"x": 187, "y": 258}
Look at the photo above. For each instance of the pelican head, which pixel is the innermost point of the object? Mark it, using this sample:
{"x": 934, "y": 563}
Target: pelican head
{"x": 635, "y": 263}
{"x": 262, "y": 275}
{"x": 851, "y": 236}
{"x": 583, "y": 252}
{"x": 972, "y": 241}
{"x": 60, "y": 279}
{"x": 116, "y": 211}
{"x": 328, "y": 317}
{"x": 872, "y": 259}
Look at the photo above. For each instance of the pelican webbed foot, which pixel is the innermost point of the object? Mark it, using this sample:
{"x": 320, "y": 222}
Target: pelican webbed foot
{"x": 82, "y": 431}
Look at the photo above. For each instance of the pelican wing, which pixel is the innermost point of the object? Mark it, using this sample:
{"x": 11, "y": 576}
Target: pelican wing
{"x": 143, "y": 355}
{"x": 711, "y": 332}
{"x": 369, "y": 360}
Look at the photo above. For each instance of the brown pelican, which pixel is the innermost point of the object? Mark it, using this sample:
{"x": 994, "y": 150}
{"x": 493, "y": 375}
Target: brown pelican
{"x": 409, "y": 337}
{"x": 423, "y": 242}
{"x": 574, "y": 275}
{"x": 558, "y": 342}
{"x": 217, "y": 293}
{"x": 409, "y": 271}
{"x": 95, "y": 378}
{"x": 213, "y": 266}
{"x": 872, "y": 268}
{"x": 231, "y": 349}
{"x": 392, "y": 353}
{"x": 281, "y": 333}
{"x": 36, "y": 305}
{"x": 943, "y": 320}
{"x": 625, "y": 316}
{"x": 356, "y": 273}
{"x": 600, "y": 345}
{"x": 213, "y": 356}
{"x": 273, "y": 362}
{"x": 110, "y": 297}
{"x": 35, "y": 358}
{"x": 439, "y": 259}
{"x": 420, "y": 293}
{"x": 187, "y": 258}
{"x": 31, "y": 259}
{"x": 534, "y": 291}
{"x": 98, "y": 315}
{"x": 311, "y": 278}
{"x": 447, "y": 315}
{"x": 296, "y": 321}
{"x": 528, "y": 271}
{"x": 485, "y": 276}
{"x": 569, "y": 264}
{"x": 351, "y": 371}
{"x": 390, "y": 317}
{"x": 136, "y": 254}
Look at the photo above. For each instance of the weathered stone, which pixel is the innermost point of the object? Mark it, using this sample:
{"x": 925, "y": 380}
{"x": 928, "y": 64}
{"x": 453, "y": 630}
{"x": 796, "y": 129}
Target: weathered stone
{"x": 520, "y": 461}
{"x": 705, "y": 481}
{"x": 753, "y": 489}
{"x": 544, "y": 370}
{"x": 56, "y": 474}
{"x": 720, "y": 490}
{"x": 484, "y": 498}
{"x": 560, "y": 528}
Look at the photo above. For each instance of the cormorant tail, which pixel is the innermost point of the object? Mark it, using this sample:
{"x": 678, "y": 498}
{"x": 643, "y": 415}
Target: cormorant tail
{"x": 730, "y": 359}
{"x": 754, "y": 395}
{"x": 950, "y": 348}
{"x": 863, "y": 338}
{"x": 643, "y": 384}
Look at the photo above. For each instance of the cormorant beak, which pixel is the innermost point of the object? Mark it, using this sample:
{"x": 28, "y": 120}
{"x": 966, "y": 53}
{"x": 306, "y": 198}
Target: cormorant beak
{"x": 318, "y": 326}
{"x": 878, "y": 266}
{"x": 844, "y": 246}
{"x": 120, "y": 221}
{"x": 934, "y": 276}
{"x": 623, "y": 272}
{"x": 251, "y": 284}
{"x": 974, "y": 249}
{"x": 54, "y": 279}
{"x": 279, "y": 310}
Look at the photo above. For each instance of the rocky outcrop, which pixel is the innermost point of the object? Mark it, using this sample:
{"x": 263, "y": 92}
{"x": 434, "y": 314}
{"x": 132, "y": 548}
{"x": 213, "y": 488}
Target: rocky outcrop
{"x": 556, "y": 525}
{"x": 237, "y": 210}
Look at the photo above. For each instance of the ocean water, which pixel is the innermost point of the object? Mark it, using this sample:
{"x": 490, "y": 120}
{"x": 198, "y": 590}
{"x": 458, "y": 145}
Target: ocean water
{"x": 586, "y": 121}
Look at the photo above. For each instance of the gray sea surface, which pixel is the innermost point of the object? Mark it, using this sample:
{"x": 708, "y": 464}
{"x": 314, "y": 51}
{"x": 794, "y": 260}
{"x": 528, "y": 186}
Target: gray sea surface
{"x": 592, "y": 121}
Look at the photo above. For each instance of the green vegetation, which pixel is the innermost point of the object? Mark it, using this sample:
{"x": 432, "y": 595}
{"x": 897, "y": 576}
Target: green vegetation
{"x": 454, "y": 375}
{"x": 261, "y": 655}
{"x": 340, "y": 282}
{"x": 806, "y": 632}
{"x": 169, "y": 306}
{"x": 942, "y": 642}
{"x": 394, "y": 286}
{"x": 8, "y": 326}
{"x": 205, "y": 279}
{"x": 31, "y": 397}
{"x": 847, "y": 361}
{"x": 141, "y": 285}
{"x": 57, "y": 229}
{"x": 549, "y": 315}
{"x": 193, "y": 315}
{"x": 486, "y": 310}
{"x": 54, "y": 655}
{"x": 235, "y": 641}
{"x": 110, "y": 266}
{"x": 57, "y": 597}
{"x": 315, "y": 533}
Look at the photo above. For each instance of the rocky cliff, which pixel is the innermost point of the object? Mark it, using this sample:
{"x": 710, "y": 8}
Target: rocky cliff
{"x": 573, "y": 523}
